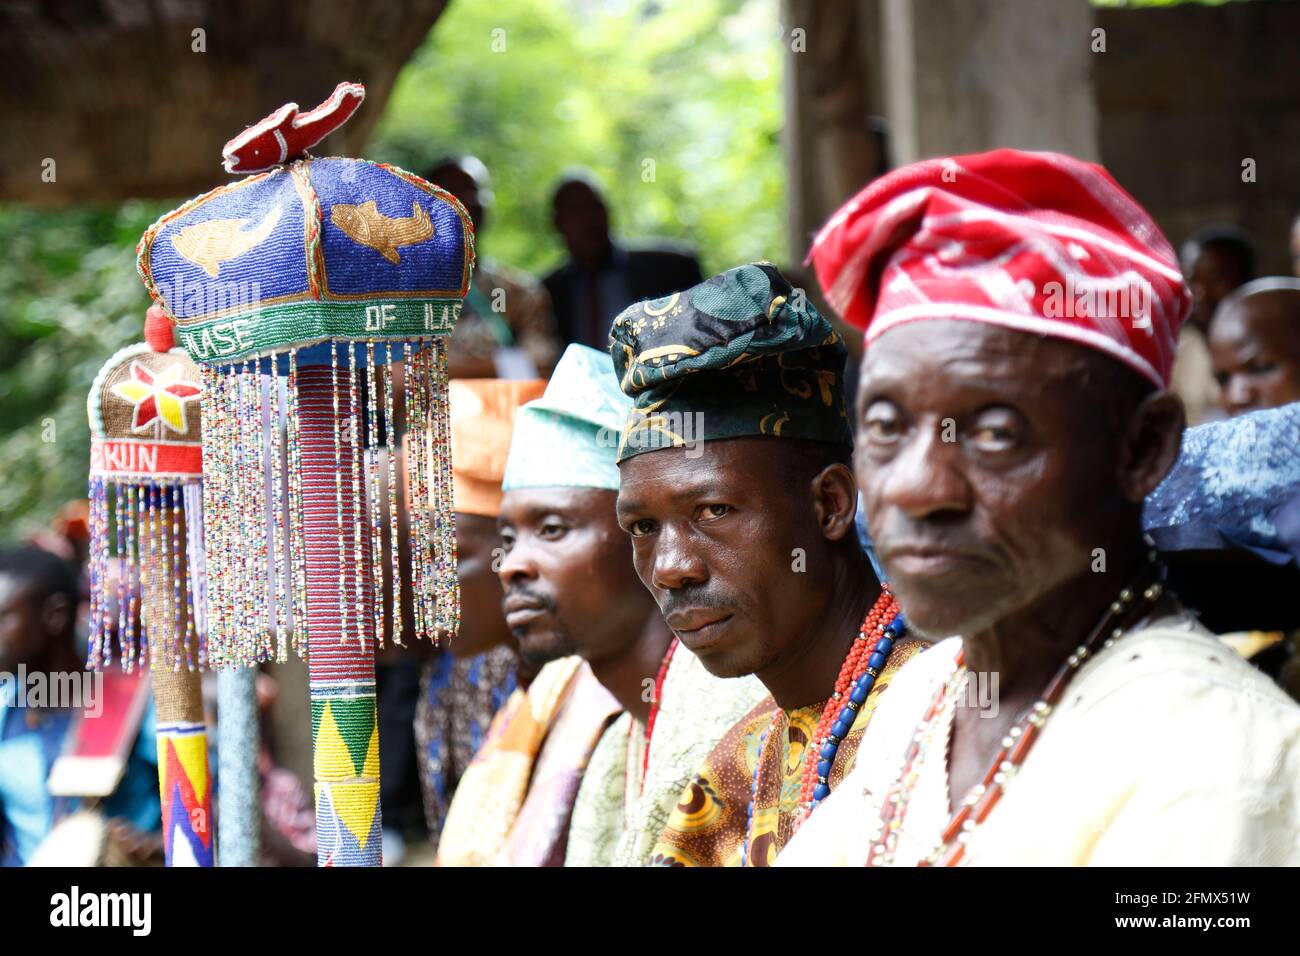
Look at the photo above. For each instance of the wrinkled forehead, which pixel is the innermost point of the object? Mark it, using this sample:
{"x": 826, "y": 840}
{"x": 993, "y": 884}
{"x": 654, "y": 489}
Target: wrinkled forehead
{"x": 723, "y": 467}
{"x": 938, "y": 355}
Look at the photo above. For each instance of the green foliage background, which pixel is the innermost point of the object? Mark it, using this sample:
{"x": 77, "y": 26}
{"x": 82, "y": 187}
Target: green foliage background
{"x": 692, "y": 85}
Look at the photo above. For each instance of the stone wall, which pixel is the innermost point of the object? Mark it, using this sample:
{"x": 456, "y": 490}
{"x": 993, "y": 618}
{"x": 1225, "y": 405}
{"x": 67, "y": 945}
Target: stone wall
{"x": 1185, "y": 94}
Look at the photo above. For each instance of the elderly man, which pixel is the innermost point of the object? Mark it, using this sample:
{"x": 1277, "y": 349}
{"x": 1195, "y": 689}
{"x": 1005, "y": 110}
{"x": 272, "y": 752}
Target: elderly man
{"x": 1255, "y": 345}
{"x": 1005, "y": 452}
{"x": 740, "y": 502}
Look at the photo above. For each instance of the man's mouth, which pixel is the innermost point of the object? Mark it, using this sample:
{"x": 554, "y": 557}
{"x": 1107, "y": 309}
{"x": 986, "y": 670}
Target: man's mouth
{"x": 925, "y": 560}
{"x": 698, "y": 629}
{"x": 521, "y": 611}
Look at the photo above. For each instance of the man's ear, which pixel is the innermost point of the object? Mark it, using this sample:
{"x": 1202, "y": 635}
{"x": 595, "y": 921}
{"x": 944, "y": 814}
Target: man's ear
{"x": 1151, "y": 445}
{"x": 835, "y": 500}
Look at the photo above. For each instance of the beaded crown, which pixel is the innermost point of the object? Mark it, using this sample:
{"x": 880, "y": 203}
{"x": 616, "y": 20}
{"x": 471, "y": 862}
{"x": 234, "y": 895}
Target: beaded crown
{"x": 145, "y": 504}
{"x": 314, "y": 251}
{"x": 317, "y": 296}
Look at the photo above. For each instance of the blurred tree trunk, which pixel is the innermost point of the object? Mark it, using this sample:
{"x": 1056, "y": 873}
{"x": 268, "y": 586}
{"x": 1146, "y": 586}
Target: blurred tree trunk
{"x": 832, "y": 90}
{"x": 135, "y": 98}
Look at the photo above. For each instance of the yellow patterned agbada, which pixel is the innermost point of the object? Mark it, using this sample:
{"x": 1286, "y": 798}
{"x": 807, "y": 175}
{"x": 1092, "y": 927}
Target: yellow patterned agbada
{"x": 712, "y": 824}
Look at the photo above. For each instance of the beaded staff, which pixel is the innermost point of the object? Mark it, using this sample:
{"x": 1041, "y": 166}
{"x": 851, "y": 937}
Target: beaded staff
{"x": 145, "y": 514}
{"x": 317, "y": 295}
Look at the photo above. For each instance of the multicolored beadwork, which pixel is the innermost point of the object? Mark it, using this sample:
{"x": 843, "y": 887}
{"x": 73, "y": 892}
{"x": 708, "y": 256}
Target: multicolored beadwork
{"x": 881, "y": 626}
{"x": 338, "y": 257}
{"x": 146, "y": 525}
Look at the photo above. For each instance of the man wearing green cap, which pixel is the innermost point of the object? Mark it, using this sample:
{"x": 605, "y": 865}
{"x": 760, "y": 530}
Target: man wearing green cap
{"x": 572, "y": 594}
{"x": 740, "y": 500}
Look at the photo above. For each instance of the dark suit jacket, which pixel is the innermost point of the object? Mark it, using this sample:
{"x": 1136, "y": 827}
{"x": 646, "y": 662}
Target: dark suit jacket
{"x": 647, "y": 273}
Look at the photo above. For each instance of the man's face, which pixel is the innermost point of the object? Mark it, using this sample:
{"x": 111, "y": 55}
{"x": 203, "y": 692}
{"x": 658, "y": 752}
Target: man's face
{"x": 987, "y": 475}
{"x": 730, "y": 549}
{"x": 567, "y": 573}
{"x": 582, "y": 221}
{"x": 1210, "y": 276}
{"x": 23, "y": 630}
{"x": 1255, "y": 346}
{"x": 483, "y": 626}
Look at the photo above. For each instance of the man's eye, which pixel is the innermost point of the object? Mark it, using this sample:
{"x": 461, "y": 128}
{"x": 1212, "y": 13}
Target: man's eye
{"x": 507, "y": 540}
{"x": 551, "y": 530}
{"x": 714, "y": 511}
{"x": 881, "y": 423}
{"x": 642, "y": 526}
{"x": 995, "y": 439}
{"x": 994, "y": 433}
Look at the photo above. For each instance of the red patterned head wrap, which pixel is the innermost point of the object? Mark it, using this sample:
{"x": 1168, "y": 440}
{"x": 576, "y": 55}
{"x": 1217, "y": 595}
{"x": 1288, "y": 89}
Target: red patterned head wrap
{"x": 1037, "y": 242}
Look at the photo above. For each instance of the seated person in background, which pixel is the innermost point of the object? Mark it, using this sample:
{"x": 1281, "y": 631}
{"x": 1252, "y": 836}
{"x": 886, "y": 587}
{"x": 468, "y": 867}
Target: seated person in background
{"x": 505, "y": 329}
{"x": 603, "y": 277}
{"x": 1255, "y": 345}
{"x": 1120, "y": 731}
{"x": 38, "y": 605}
{"x": 1215, "y": 261}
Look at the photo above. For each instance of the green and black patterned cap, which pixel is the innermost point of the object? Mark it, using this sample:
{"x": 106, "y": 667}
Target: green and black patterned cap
{"x": 742, "y": 353}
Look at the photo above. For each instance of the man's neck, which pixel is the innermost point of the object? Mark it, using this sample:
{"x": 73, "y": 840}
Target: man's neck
{"x": 1026, "y": 648}
{"x": 806, "y": 674}
{"x": 1024, "y": 651}
{"x": 625, "y": 672}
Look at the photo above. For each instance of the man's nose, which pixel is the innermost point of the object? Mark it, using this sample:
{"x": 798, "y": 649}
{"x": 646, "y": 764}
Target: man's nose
{"x": 926, "y": 477}
{"x": 1238, "y": 394}
{"x": 517, "y": 564}
{"x": 676, "y": 564}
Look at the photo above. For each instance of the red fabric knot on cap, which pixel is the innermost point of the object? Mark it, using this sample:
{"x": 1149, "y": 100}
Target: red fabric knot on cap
{"x": 158, "y": 329}
{"x": 1038, "y": 242}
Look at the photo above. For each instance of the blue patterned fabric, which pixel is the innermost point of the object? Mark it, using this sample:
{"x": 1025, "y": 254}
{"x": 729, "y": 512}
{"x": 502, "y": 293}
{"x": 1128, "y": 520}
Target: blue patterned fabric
{"x": 28, "y": 811}
{"x": 569, "y": 437}
{"x": 1236, "y": 484}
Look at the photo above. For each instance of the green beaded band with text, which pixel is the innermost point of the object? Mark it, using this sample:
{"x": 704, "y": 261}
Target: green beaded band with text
{"x": 229, "y": 339}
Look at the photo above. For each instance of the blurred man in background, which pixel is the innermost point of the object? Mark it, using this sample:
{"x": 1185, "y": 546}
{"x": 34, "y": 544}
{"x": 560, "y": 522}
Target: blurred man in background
{"x": 464, "y": 686}
{"x": 39, "y": 593}
{"x": 603, "y": 277}
{"x": 506, "y": 329}
{"x": 1255, "y": 345}
{"x": 1215, "y": 261}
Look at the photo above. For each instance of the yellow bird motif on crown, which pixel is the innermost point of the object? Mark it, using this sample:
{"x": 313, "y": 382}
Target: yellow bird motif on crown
{"x": 209, "y": 244}
{"x": 366, "y": 225}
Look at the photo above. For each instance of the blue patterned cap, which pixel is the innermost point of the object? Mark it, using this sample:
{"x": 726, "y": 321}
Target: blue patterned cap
{"x": 314, "y": 251}
{"x": 569, "y": 436}
{"x": 1235, "y": 484}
